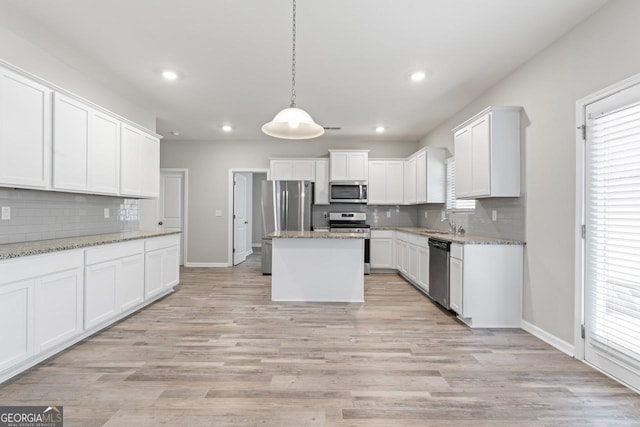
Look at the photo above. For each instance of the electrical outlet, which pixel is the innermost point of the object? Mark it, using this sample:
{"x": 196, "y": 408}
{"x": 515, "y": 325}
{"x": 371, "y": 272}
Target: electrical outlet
{"x": 6, "y": 213}
{"x": 218, "y": 212}
{"x": 494, "y": 215}
{"x": 426, "y": 214}
{"x": 106, "y": 212}
{"x": 443, "y": 215}
{"x": 388, "y": 214}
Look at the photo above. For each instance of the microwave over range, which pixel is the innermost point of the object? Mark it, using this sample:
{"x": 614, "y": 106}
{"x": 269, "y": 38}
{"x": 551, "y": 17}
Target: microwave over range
{"x": 348, "y": 192}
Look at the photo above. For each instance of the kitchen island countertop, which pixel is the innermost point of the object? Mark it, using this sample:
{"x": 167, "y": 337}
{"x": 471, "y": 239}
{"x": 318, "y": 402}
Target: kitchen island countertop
{"x": 284, "y": 234}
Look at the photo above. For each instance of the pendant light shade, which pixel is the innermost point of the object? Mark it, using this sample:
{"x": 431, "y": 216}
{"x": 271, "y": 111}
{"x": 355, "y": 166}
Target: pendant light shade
{"x": 292, "y": 122}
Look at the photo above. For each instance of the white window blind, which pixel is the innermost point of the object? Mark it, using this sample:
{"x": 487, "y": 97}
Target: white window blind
{"x": 454, "y": 204}
{"x": 612, "y": 247}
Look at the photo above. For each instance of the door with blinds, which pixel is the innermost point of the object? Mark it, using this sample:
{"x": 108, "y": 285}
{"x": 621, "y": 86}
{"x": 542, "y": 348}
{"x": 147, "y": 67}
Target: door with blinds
{"x": 612, "y": 235}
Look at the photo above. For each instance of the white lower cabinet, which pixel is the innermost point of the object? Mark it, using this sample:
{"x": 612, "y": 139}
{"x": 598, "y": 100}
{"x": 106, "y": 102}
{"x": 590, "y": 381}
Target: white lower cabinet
{"x": 455, "y": 278}
{"x": 413, "y": 263}
{"x": 423, "y": 265}
{"x": 382, "y": 249}
{"x": 51, "y": 301}
{"x": 162, "y": 264}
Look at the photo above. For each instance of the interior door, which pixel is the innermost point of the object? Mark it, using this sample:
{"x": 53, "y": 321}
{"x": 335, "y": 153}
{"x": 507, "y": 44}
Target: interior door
{"x": 171, "y": 204}
{"x": 240, "y": 221}
{"x": 612, "y": 235}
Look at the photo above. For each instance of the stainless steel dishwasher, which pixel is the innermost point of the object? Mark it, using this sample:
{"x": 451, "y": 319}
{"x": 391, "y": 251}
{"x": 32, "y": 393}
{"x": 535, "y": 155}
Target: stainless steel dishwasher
{"x": 439, "y": 271}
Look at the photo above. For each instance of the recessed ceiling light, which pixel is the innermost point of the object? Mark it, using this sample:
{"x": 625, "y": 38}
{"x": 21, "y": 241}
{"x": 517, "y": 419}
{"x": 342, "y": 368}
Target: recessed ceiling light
{"x": 418, "y": 76}
{"x": 175, "y": 133}
{"x": 380, "y": 129}
{"x": 227, "y": 128}
{"x": 169, "y": 74}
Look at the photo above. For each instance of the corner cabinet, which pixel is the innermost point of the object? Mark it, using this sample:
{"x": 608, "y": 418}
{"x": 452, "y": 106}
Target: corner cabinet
{"x": 25, "y": 132}
{"x": 431, "y": 175}
{"x": 349, "y": 165}
{"x": 487, "y": 152}
{"x": 386, "y": 182}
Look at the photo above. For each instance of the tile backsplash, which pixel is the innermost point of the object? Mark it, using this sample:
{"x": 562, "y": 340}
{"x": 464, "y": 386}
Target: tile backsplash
{"x": 38, "y": 215}
{"x": 376, "y": 215}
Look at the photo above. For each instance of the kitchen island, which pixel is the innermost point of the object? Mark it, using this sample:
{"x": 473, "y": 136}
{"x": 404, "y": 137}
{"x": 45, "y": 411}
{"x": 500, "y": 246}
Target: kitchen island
{"x": 317, "y": 266}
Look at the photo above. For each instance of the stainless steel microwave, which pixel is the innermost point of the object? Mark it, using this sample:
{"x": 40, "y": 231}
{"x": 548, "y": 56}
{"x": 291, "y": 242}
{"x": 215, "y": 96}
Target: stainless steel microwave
{"x": 348, "y": 192}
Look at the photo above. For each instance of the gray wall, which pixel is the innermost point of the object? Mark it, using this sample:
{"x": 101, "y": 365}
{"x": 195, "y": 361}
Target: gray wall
{"x": 599, "y": 52}
{"x": 209, "y": 164}
{"x": 37, "y": 215}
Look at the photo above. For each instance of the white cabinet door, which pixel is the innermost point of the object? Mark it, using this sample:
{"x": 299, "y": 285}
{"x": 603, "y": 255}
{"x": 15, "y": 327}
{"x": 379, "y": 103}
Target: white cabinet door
{"x": 150, "y": 166}
{"x": 71, "y": 121}
{"x": 358, "y": 166}
{"x": 100, "y": 293}
{"x": 410, "y": 181}
{"x": 153, "y": 273}
{"x": 382, "y": 252}
{"x": 304, "y": 170}
{"x": 130, "y": 282}
{"x": 481, "y": 155}
{"x": 130, "y": 161}
{"x": 423, "y": 267}
{"x": 421, "y": 177}
{"x": 377, "y": 182}
{"x": 321, "y": 188}
{"x": 171, "y": 267}
{"x": 412, "y": 268}
{"x": 25, "y": 132}
{"x": 464, "y": 163}
{"x": 281, "y": 170}
{"x": 339, "y": 167}
{"x": 16, "y": 323}
{"x": 58, "y": 307}
{"x": 104, "y": 154}
{"x": 455, "y": 285}
{"x": 398, "y": 254}
{"x": 395, "y": 182}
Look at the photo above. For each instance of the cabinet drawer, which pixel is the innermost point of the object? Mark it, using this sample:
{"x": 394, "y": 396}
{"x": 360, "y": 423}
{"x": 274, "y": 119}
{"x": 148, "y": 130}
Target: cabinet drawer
{"x": 38, "y": 265}
{"x": 381, "y": 234}
{"x": 457, "y": 251}
{"x": 155, "y": 243}
{"x": 113, "y": 251}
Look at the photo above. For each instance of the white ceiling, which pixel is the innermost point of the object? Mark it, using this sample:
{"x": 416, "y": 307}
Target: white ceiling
{"x": 353, "y": 63}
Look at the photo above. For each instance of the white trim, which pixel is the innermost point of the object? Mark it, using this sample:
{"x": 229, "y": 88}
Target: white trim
{"x": 581, "y": 106}
{"x": 207, "y": 264}
{"x": 185, "y": 210}
{"x": 230, "y": 206}
{"x": 552, "y": 340}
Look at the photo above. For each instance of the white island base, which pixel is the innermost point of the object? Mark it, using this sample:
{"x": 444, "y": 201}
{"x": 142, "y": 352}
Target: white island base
{"x": 317, "y": 269}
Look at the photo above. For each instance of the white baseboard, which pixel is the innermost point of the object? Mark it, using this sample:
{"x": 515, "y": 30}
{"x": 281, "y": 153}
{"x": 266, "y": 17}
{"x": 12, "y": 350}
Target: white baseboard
{"x": 552, "y": 340}
{"x": 207, "y": 264}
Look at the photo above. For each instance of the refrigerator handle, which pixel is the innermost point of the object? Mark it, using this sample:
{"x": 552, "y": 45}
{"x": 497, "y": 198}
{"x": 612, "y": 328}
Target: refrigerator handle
{"x": 286, "y": 209}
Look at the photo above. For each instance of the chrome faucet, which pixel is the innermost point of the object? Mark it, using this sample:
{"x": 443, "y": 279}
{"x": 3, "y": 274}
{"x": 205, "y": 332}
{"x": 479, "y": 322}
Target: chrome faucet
{"x": 452, "y": 225}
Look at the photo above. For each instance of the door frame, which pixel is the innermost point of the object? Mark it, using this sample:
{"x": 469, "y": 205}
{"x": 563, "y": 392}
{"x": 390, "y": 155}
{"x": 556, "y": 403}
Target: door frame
{"x": 581, "y": 106}
{"x": 185, "y": 210}
{"x": 230, "y": 202}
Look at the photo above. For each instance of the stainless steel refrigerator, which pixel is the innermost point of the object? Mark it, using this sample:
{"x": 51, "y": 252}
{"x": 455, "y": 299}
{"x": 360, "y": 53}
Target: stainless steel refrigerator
{"x": 286, "y": 205}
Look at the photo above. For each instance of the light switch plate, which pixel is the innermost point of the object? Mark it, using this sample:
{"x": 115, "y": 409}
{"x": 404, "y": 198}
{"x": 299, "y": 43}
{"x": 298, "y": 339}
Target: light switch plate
{"x": 426, "y": 214}
{"x": 106, "y": 212}
{"x": 218, "y": 213}
{"x": 388, "y": 214}
{"x": 494, "y": 215}
{"x": 443, "y": 215}
{"x": 6, "y": 213}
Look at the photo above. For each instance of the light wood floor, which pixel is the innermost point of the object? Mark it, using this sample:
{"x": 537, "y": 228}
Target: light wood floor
{"x": 218, "y": 352}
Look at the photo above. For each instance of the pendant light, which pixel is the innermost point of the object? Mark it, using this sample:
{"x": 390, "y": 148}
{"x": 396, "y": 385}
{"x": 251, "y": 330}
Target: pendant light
{"x": 293, "y": 122}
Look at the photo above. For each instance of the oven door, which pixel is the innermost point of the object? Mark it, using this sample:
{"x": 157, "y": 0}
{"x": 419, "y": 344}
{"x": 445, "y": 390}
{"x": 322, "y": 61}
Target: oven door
{"x": 347, "y": 192}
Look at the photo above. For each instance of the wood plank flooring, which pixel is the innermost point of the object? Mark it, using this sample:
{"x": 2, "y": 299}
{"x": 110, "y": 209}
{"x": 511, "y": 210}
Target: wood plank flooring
{"x": 218, "y": 352}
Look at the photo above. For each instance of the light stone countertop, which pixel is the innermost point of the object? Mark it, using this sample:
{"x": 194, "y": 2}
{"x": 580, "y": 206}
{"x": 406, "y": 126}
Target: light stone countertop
{"x": 464, "y": 239}
{"x": 16, "y": 250}
{"x": 315, "y": 235}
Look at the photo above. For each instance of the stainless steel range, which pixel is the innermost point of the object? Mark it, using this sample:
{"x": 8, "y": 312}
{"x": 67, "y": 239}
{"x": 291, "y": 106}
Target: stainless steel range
{"x": 352, "y": 222}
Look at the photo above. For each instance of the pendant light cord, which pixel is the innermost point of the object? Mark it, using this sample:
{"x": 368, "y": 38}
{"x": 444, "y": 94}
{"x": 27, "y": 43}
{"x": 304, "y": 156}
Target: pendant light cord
{"x": 293, "y": 60}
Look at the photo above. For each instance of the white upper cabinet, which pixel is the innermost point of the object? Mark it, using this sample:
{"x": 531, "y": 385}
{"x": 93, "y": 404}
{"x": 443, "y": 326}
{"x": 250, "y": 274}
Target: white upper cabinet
{"x": 70, "y": 144}
{"x": 139, "y": 163}
{"x": 321, "y": 186}
{"x": 104, "y": 154}
{"x": 25, "y": 132}
{"x": 349, "y": 165}
{"x": 410, "y": 196}
{"x": 431, "y": 175}
{"x": 293, "y": 169}
{"x": 487, "y": 152}
{"x": 386, "y": 182}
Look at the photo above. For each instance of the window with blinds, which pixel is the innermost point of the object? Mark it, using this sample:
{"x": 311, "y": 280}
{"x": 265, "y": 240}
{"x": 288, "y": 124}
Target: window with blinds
{"x": 453, "y": 204}
{"x": 612, "y": 246}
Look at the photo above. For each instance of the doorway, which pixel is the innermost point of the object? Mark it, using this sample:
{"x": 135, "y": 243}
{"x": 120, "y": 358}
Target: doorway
{"x": 609, "y": 243}
{"x": 172, "y": 205}
{"x": 245, "y": 221}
